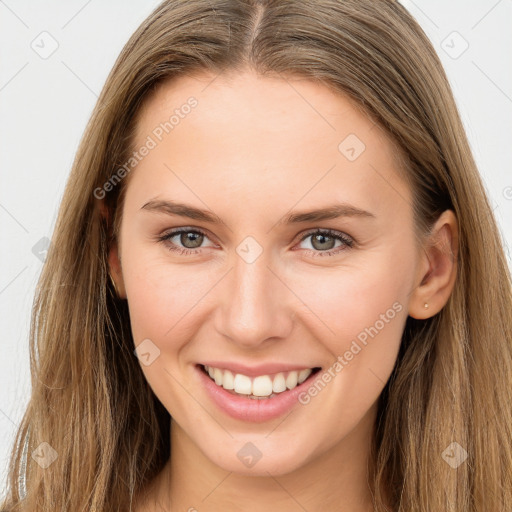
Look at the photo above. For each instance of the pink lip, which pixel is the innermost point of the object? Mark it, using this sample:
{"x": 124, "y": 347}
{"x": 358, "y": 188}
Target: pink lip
{"x": 253, "y": 410}
{"x": 255, "y": 370}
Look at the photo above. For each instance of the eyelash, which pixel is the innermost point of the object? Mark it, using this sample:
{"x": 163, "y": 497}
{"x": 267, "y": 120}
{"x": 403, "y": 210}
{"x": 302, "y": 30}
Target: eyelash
{"x": 348, "y": 241}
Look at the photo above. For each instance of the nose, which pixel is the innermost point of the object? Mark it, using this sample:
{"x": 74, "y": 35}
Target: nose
{"x": 257, "y": 307}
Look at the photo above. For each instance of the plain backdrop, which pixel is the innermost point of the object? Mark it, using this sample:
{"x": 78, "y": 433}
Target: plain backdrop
{"x": 54, "y": 59}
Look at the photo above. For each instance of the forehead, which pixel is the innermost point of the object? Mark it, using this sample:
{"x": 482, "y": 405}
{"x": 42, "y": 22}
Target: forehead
{"x": 285, "y": 138}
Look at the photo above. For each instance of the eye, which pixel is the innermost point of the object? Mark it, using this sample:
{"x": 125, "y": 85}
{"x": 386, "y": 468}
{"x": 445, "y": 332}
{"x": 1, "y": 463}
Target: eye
{"x": 322, "y": 241}
{"x": 191, "y": 240}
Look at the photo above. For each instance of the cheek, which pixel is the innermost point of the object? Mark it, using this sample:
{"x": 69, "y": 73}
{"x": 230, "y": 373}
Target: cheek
{"x": 163, "y": 298}
{"x": 363, "y": 313}
{"x": 360, "y": 310}
{"x": 161, "y": 301}
{"x": 158, "y": 297}
{"x": 348, "y": 299}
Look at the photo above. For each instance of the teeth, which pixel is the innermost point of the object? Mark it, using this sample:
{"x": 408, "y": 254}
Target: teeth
{"x": 259, "y": 387}
{"x": 228, "y": 380}
{"x": 291, "y": 380}
{"x": 303, "y": 375}
{"x": 217, "y": 375}
{"x": 262, "y": 386}
{"x": 279, "y": 384}
{"x": 242, "y": 384}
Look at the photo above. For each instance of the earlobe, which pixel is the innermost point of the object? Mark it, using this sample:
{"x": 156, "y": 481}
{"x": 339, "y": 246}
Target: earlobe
{"x": 440, "y": 260}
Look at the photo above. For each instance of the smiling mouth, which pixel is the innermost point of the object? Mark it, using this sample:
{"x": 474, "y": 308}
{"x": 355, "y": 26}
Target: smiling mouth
{"x": 261, "y": 387}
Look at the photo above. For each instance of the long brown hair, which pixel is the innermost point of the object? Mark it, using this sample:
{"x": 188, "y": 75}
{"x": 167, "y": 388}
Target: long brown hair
{"x": 453, "y": 377}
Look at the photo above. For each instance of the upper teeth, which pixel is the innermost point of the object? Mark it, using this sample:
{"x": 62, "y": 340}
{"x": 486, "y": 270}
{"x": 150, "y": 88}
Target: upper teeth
{"x": 263, "y": 385}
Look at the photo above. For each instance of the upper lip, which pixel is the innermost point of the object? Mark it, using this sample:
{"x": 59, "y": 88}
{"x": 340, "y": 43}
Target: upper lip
{"x": 255, "y": 370}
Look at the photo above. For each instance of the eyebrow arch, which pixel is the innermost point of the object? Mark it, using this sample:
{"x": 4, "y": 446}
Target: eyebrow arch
{"x": 330, "y": 212}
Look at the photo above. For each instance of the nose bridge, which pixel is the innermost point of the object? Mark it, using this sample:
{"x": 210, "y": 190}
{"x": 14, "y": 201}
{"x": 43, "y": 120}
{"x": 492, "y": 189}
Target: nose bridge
{"x": 255, "y": 309}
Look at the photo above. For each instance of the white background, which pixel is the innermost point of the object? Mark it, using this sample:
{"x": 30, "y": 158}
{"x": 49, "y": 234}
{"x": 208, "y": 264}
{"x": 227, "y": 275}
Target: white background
{"x": 46, "y": 102}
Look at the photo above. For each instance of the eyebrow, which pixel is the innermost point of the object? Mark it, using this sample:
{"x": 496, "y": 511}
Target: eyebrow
{"x": 329, "y": 212}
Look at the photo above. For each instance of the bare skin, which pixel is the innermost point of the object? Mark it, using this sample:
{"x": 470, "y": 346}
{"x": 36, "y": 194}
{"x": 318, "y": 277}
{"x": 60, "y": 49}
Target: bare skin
{"x": 253, "y": 151}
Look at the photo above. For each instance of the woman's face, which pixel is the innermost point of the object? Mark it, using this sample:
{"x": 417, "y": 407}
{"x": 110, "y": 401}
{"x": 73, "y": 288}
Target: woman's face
{"x": 250, "y": 285}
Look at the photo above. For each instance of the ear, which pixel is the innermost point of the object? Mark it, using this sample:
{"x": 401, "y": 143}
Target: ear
{"x": 116, "y": 271}
{"x": 437, "y": 269}
{"x": 114, "y": 258}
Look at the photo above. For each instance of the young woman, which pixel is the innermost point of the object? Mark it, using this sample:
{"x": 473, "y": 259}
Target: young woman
{"x": 275, "y": 282}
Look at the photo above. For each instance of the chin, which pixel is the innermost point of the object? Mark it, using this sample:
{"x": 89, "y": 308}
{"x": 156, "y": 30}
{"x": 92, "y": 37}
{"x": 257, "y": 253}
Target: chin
{"x": 259, "y": 457}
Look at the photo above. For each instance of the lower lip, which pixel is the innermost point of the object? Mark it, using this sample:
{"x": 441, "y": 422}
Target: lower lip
{"x": 249, "y": 409}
